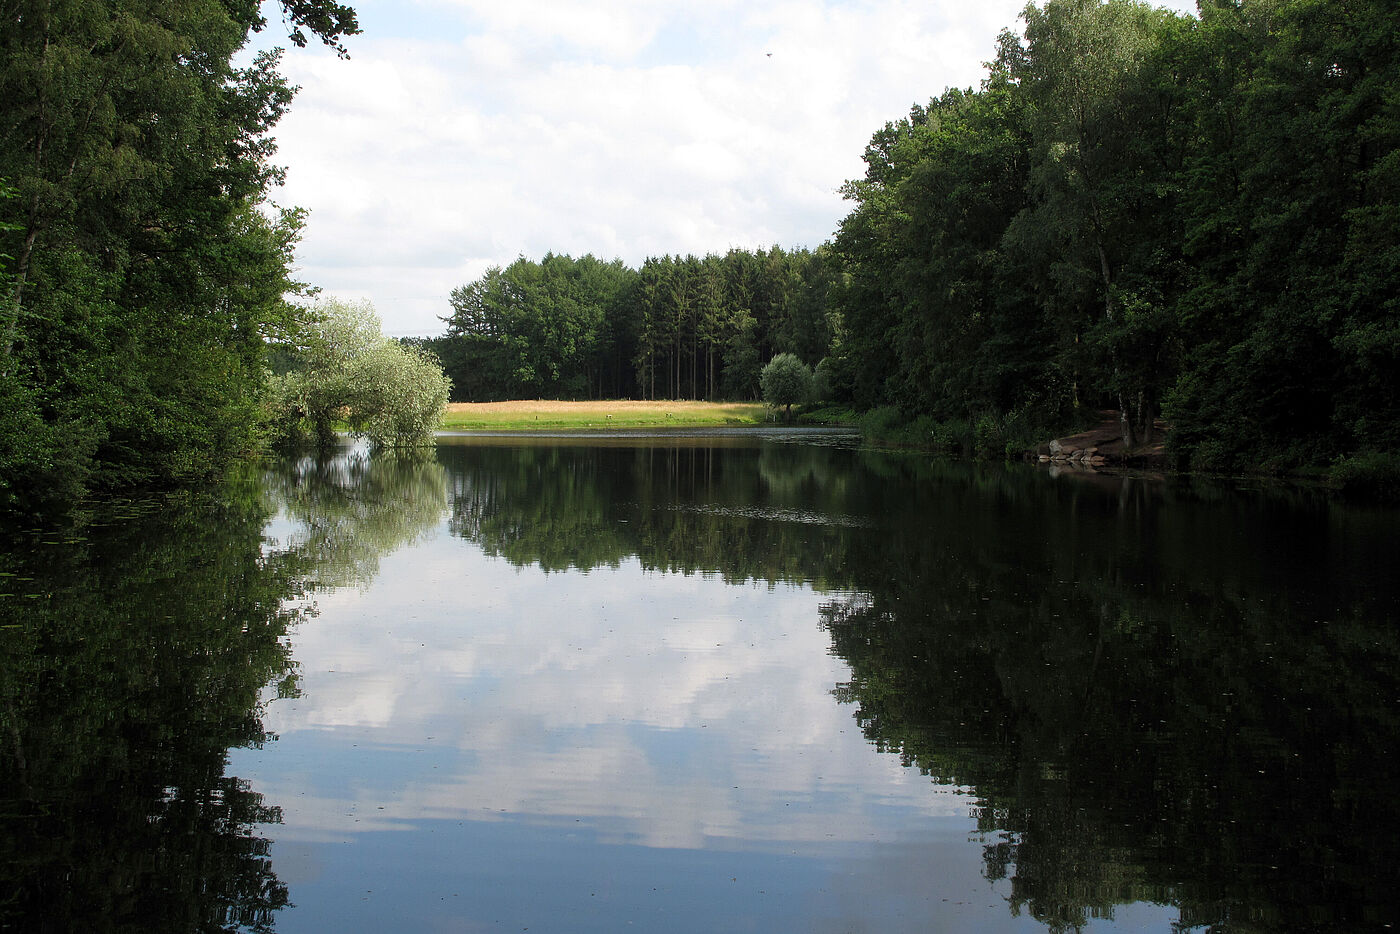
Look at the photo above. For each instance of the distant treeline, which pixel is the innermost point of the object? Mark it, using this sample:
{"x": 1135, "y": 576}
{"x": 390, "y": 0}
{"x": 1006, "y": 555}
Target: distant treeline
{"x": 1137, "y": 210}
{"x": 679, "y": 327}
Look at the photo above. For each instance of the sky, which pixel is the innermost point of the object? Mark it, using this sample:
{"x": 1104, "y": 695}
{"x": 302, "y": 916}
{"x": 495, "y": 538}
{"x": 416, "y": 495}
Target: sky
{"x": 462, "y": 134}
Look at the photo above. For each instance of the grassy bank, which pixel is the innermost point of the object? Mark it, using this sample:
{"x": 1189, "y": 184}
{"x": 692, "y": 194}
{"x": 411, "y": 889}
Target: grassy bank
{"x": 529, "y": 415}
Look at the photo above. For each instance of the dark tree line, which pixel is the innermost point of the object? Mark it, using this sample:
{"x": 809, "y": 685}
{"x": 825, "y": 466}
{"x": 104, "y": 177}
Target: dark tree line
{"x": 1197, "y": 217}
{"x": 678, "y": 327}
{"x": 141, "y": 274}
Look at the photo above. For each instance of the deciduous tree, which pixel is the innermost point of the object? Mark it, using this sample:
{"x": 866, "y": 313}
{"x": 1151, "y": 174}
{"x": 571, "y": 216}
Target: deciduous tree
{"x": 786, "y": 382}
{"x": 347, "y": 370}
{"x": 148, "y": 269}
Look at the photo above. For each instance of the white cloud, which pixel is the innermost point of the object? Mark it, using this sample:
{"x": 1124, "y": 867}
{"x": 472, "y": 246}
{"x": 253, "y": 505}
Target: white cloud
{"x": 463, "y": 133}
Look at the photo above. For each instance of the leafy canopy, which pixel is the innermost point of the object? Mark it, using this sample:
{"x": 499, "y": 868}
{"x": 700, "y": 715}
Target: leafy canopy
{"x": 346, "y": 369}
{"x": 786, "y": 381}
{"x": 143, "y": 267}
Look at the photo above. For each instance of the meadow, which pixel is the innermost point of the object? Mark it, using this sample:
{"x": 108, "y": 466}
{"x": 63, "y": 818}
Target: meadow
{"x": 527, "y": 415}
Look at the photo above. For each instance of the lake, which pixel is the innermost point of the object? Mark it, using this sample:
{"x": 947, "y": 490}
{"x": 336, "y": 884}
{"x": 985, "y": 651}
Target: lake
{"x": 723, "y": 681}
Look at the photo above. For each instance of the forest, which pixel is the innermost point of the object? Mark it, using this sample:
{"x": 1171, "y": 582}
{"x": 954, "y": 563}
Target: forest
{"x": 680, "y": 327}
{"x": 1188, "y": 218}
{"x": 1192, "y": 221}
{"x": 1198, "y": 217}
{"x": 144, "y": 271}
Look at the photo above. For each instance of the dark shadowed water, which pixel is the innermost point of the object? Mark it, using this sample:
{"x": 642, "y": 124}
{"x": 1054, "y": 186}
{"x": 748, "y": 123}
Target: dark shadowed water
{"x": 731, "y": 682}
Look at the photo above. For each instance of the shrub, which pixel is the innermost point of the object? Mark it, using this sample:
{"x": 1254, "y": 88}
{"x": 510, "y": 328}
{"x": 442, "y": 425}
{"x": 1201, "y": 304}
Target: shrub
{"x": 1372, "y": 474}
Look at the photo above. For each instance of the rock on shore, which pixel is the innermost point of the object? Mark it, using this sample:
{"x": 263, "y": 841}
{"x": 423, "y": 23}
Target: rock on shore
{"x": 1102, "y": 446}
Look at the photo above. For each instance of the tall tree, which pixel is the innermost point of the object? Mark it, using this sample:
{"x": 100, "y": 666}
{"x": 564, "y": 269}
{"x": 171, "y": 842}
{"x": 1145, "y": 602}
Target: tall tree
{"x": 1291, "y": 231}
{"x": 1103, "y": 183}
{"x": 389, "y": 392}
{"x": 537, "y": 328}
{"x": 146, "y": 273}
{"x": 937, "y": 322}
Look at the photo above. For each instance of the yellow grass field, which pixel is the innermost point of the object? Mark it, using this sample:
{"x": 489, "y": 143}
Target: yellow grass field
{"x": 527, "y": 415}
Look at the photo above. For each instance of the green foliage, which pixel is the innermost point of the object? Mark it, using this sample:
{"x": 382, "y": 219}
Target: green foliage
{"x": 883, "y": 422}
{"x": 929, "y": 306}
{"x": 786, "y": 381}
{"x": 539, "y": 330}
{"x": 824, "y": 381}
{"x": 1145, "y": 212}
{"x": 950, "y": 435}
{"x": 391, "y": 393}
{"x": 398, "y": 396}
{"x": 1372, "y": 474}
{"x": 829, "y": 414}
{"x": 144, "y": 271}
{"x": 1289, "y": 323}
{"x": 887, "y": 424}
{"x": 678, "y": 327}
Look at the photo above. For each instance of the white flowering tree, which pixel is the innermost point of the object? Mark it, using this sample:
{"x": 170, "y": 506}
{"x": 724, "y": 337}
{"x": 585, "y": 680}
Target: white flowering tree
{"x": 348, "y": 371}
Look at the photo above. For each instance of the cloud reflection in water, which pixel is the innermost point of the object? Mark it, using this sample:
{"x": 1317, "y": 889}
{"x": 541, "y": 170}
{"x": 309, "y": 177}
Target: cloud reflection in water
{"x": 668, "y": 710}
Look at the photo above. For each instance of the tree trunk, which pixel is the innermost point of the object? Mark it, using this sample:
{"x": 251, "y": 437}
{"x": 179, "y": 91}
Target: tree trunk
{"x": 1147, "y": 415}
{"x": 1125, "y": 424}
{"x": 15, "y": 302}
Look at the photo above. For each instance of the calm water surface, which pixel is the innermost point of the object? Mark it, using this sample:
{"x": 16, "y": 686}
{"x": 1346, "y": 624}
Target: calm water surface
{"x": 720, "y": 683}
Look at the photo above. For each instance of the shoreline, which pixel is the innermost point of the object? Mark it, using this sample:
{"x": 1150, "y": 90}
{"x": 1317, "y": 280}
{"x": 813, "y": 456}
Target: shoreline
{"x": 1102, "y": 446}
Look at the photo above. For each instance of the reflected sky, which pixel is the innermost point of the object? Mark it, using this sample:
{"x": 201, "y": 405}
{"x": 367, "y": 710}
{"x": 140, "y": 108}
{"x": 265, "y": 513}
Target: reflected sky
{"x": 683, "y": 686}
{"x": 677, "y": 711}
{"x": 482, "y": 746}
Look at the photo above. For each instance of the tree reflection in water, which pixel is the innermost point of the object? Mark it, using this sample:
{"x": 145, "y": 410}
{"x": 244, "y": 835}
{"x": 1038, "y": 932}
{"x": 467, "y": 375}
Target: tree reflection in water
{"x": 136, "y": 647}
{"x": 1167, "y": 693}
{"x": 1178, "y": 694}
{"x": 348, "y": 510}
{"x": 1179, "y": 699}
